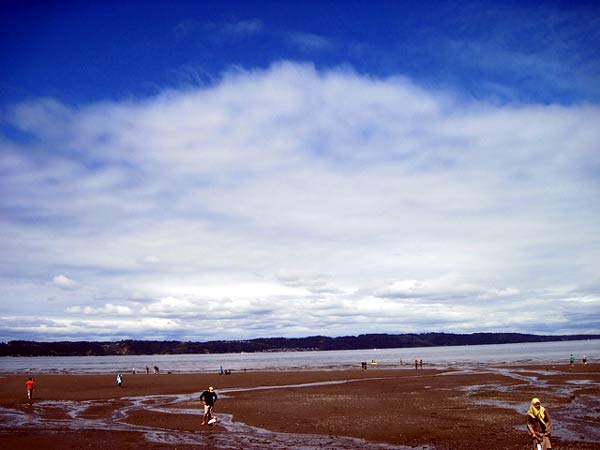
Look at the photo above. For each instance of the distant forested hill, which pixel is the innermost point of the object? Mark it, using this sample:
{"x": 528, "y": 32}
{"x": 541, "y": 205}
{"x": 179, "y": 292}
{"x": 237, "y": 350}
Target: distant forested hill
{"x": 363, "y": 341}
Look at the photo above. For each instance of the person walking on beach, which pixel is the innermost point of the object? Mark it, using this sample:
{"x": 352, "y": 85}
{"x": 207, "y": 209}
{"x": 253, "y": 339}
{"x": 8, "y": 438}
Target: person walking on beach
{"x": 120, "y": 379}
{"x": 416, "y": 364}
{"x": 571, "y": 360}
{"x": 30, "y": 386}
{"x": 539, "y": 426}
{"x": 208, "y": 399}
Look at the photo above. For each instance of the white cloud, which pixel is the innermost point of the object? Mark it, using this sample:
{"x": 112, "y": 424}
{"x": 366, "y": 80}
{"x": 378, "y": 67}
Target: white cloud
{"x": 107, "y": 309}
{"x": 171, "y": 305}
{"x": 64, "y": 282}
{"x": 150, "y": 259}
{"x": 356, "y": 204}
{"x": 314, "y": 283}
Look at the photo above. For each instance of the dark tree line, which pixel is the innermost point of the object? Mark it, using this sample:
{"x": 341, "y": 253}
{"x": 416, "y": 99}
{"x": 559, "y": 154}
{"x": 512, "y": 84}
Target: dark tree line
{"x": 363, "y": 341}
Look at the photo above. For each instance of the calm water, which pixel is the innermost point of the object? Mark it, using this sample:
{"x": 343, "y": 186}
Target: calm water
{"x": 439, "y": 357}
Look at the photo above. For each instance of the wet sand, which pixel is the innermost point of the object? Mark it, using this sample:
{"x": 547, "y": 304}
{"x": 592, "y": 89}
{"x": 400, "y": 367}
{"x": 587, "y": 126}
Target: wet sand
{"x": 478, "y": 408}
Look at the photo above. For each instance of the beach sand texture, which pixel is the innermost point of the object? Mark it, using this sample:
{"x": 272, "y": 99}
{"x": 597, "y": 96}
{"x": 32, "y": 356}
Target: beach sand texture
{"x": 474, "y": 409}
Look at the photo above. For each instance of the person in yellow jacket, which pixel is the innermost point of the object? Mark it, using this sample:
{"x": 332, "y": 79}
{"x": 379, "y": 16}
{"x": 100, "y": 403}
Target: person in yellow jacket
{"x": 539, "y": 426}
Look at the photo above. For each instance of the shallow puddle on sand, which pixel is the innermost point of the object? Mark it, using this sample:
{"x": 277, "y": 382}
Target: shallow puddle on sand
{"x": 226, "y": 435}
{"x": 576, "y": 420}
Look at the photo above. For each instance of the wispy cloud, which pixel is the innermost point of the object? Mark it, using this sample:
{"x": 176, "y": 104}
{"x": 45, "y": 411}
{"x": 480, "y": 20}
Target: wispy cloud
{"x": 359, "y": 204}
{"x": 310, "y": 42}
{"x": 223, "y": 29}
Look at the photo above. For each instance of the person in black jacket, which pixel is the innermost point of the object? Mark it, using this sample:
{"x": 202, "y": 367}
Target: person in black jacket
{"x": 208, "y": 399}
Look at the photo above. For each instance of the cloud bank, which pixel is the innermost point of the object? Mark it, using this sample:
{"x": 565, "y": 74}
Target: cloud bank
{"x": 293, "y": 202}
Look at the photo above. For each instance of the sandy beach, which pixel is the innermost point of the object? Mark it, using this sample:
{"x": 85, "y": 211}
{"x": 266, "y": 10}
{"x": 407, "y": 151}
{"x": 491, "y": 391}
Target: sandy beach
{"x": 478, "y": 408}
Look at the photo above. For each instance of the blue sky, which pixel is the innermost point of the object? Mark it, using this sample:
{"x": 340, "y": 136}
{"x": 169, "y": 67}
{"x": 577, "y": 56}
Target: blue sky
{"x": 528, "y": 51}
{"x": 230, "y": 170}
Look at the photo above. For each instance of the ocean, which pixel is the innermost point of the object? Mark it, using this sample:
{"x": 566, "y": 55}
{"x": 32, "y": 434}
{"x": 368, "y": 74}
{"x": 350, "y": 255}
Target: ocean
{"x": 433, "y": 357}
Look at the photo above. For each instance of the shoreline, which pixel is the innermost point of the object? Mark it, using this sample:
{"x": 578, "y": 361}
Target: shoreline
{"x": 431, "y": 408}
{"x": 443, "y": 357}
{"x": 460, "y": 366}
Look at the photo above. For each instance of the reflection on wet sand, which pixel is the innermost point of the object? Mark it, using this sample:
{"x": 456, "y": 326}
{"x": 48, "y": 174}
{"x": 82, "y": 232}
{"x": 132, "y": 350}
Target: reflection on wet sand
{"x": 86, "y": 415}
{"x": 575, "y": 419}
